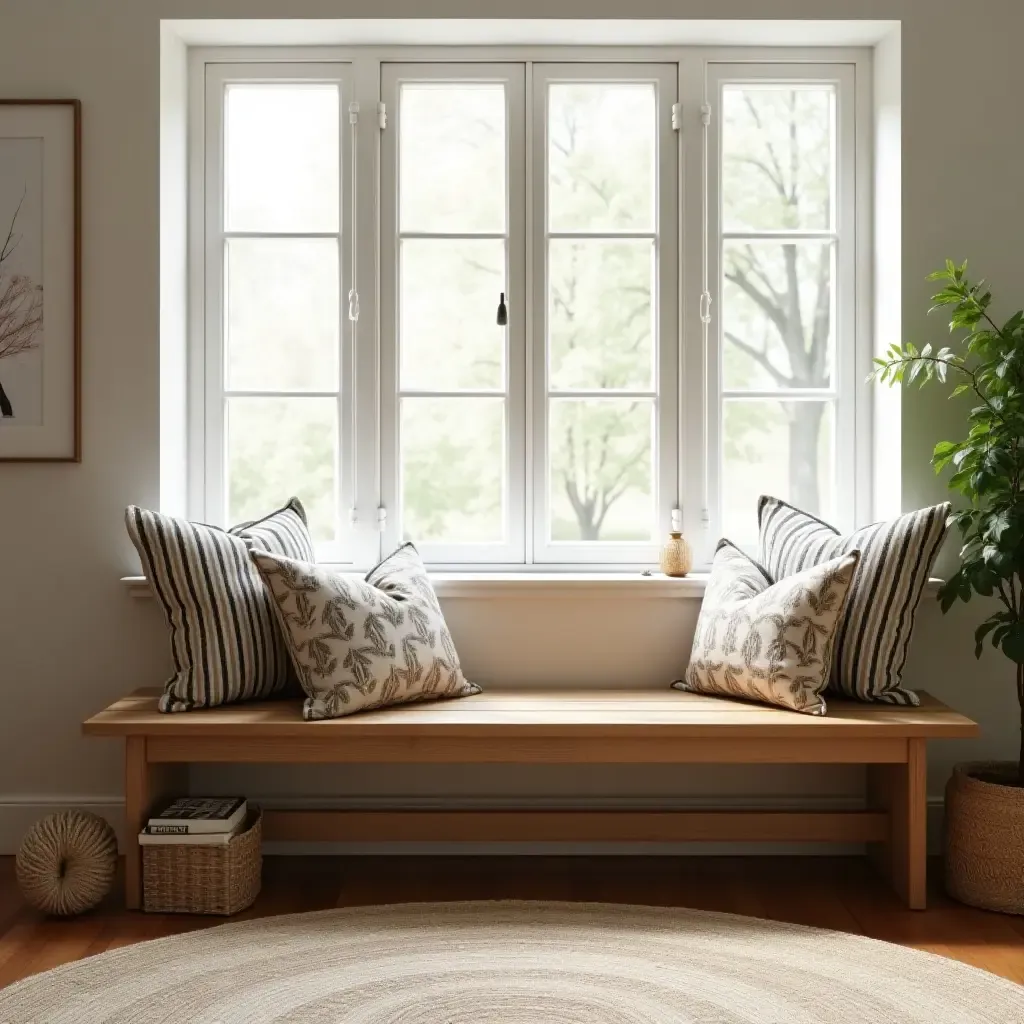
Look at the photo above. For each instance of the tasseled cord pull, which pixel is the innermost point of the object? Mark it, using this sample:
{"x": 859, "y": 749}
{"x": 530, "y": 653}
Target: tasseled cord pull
{"x": 502, "y": 311}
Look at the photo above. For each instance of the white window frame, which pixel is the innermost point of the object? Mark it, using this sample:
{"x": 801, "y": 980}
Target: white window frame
{"x": 664, "y": 392}
{"x": 844, "y": 385}
{"x": 689, "y": 406}
{"x": 512, "y": 77}
{"x": 213, "y": 408}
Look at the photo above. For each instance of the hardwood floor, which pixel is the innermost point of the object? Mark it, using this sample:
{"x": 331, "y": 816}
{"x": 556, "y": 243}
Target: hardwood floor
{"x": 829, "y": 892}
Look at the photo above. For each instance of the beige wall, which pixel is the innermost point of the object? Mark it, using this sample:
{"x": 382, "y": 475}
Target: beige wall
{"x": 71, "y": 639}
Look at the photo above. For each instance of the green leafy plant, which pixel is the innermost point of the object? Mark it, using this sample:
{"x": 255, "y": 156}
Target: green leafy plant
{"x": 988, "y": 464}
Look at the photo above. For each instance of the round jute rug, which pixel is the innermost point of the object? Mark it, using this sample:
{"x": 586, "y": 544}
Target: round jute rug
{"x": 513, "y": 963}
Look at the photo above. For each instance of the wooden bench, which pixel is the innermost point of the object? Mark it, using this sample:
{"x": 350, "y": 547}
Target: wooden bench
{"x": 558, "y": 726}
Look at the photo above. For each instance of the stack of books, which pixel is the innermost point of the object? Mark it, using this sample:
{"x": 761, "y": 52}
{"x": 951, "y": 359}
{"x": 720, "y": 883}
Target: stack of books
{"x": 196, "y": 821}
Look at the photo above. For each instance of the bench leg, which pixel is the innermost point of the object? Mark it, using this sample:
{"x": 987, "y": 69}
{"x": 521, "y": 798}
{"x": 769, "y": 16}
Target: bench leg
{"x": 144, "y": 784}
{"x": 902, "y": 790}
{"x": 136, "y": 807}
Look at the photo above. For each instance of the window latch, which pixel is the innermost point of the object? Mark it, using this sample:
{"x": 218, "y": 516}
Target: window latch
{"x": 677, "y": 116}
{"x": 705, "y": 307}
{"x": 382, "y": 519}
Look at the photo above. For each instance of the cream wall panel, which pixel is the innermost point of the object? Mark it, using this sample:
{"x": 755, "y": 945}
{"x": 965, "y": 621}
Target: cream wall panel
{"x": 71, "y": 638}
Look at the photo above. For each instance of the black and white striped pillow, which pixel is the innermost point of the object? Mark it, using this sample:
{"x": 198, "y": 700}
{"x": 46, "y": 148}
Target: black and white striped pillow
{"x": 225, "y": 640}
{"x": 896, "y": 558}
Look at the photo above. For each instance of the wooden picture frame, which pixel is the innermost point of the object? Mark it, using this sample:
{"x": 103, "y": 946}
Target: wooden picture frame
{"x": 40, "y": 280}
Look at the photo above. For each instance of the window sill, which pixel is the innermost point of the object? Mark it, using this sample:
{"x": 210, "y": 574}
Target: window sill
{"x": 531, "y": 585}
{"x": 536, "y": 585}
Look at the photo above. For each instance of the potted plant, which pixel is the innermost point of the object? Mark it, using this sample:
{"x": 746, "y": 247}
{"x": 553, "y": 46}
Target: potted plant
{"x": 984, "y": 800}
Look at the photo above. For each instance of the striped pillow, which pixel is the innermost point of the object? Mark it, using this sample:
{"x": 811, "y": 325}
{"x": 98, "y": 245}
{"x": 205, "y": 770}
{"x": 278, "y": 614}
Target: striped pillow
{"x": 896, "y": 558}
{"x": 225, "y": 641}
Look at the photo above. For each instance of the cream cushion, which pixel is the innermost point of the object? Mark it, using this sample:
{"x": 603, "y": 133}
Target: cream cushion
{"x": 361, "y": 644}
{"x": 765, "y": 641}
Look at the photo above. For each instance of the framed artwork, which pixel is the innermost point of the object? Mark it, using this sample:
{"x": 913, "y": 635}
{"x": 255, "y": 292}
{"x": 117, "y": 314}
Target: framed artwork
{"x": 40, "y": 281}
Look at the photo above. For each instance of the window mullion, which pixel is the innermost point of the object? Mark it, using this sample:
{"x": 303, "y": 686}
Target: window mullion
{"x": 696, "y": 407}
{"x": 365, "y": 365}
{"x": 214, "y": 500}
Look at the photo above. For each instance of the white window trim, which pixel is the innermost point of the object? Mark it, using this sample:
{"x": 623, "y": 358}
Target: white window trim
{"x": 849, "y": 393}
{"x": 209, "y": 405}
{"x": 665, "y": 338}
{"x": 510, "y": 585}
{"x": 515, "y": 513}
{"x": 366, "y": 542}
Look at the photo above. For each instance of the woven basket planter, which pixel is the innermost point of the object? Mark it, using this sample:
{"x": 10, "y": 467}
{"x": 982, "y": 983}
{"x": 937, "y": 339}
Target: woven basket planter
{"x": 985, "y": 837}
{"x": 180, "y": 879}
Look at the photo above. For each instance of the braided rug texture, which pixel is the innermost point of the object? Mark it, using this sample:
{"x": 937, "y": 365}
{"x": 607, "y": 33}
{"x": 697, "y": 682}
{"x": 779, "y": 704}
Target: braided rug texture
{"x": 514, "y": 963}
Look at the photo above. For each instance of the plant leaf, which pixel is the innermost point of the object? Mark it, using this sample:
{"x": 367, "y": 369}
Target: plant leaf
{"x": 1012, "y": 643}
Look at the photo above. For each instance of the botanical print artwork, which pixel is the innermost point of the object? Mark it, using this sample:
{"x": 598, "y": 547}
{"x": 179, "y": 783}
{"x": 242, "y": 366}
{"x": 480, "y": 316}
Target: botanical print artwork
{"x": 768, "y": 642}
{"x": 21, "y": 284}
{"x": 361, "y": 644}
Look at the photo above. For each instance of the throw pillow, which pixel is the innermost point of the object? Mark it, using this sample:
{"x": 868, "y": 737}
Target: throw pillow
{"x": 360, "y": 644}
{"x": 765, "y": 641}
{"x": 225, "y": 641}
{"x": 896, "y": 559}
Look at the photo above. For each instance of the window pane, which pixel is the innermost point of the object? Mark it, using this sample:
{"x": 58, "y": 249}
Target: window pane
{"x": 601, "y": 314}
{"x": 602, "y": 479}
{"x": 777, "y": 156}
{"x": 279, "y": 447}
{"x": 453, "y": 470}
{"x": 449, "y": 301}
{"x": 780, "y": 448}
{"x": 281, "y": 157}
{"x": 452, "y": 157}
{"x": 601, "y": 156}
{"x": 282, "y": 314}
{"x": 777, "y": 314}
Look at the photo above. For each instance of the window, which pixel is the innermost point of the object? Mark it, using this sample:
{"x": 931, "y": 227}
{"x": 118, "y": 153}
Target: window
{"x": 278, "y": 391}
{"x": 781, "y": 209}
{"x": 605, "y": 295}
{"x": 588, "y": 202}
{"x": 452, "y": 243}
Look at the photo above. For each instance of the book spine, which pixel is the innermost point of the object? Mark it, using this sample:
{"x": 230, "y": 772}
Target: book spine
{"x": 199, "y": 826}
{"x": 210, "y": 839}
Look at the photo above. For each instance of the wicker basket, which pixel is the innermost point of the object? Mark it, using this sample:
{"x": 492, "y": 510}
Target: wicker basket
{"x": 181, "y": 879}
{"x": 985, "y": 837}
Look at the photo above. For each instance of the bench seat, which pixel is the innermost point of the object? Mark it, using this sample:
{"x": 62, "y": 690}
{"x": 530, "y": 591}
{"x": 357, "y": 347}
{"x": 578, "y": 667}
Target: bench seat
{"x": 558, "y": 725}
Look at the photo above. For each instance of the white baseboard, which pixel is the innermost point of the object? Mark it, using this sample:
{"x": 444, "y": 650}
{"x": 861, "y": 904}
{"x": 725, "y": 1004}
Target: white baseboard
{"x": 19, "y": 812}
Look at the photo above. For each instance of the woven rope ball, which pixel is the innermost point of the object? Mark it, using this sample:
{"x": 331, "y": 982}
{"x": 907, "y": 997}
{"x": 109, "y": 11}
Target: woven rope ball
{"x": 66, "y": 863}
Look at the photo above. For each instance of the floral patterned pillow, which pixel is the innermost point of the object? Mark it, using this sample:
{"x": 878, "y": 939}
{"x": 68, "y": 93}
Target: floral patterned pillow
{"x": 360, "y": 644}
{"x": 765, "y": 641}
